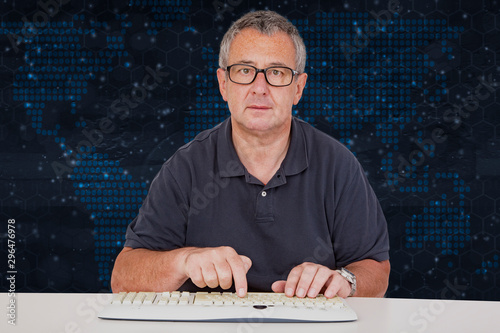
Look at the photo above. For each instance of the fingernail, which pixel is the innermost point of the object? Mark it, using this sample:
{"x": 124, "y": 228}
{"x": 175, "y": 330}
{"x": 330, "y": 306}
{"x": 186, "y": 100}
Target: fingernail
{"x": 289, "y": 292}
{"x": 328, "y": 294}
{"x": 301, "y": 292}
{"x": 241, "y": 292}
{"x": 312, "y": 292}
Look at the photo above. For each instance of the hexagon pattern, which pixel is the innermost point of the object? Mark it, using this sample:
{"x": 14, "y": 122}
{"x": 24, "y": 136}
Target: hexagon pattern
{"x": 97, "y": 95}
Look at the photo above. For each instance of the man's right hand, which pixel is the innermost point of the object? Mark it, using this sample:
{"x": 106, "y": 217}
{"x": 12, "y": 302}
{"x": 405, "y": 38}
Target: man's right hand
{"x": 217, "y": 266}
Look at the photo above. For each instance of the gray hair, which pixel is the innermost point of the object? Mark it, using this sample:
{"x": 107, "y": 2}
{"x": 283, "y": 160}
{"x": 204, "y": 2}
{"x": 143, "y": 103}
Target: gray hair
{"x": 268, "y": 23}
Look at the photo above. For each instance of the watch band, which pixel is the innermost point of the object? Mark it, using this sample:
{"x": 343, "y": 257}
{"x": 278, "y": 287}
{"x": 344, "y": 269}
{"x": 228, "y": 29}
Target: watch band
{"x": 350, "y": 277}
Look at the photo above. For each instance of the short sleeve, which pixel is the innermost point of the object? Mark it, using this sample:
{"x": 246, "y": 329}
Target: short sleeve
{"x": 360, "y": 228}
{"x": 161, "y": 222}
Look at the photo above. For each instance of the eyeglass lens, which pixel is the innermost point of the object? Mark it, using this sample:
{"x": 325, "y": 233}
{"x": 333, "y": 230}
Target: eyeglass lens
{"x": 276, "y": 76}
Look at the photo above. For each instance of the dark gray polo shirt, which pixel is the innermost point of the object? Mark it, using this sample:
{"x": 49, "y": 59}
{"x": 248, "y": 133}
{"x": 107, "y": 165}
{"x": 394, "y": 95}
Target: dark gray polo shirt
{"x": 318, "y": 207}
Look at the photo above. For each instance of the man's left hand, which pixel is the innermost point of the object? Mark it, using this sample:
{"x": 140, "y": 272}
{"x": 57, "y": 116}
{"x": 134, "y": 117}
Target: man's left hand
{"x": 309, "y": 279}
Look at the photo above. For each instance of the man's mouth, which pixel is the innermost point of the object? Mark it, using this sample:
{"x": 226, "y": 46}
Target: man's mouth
{"x": 259, "y": 107}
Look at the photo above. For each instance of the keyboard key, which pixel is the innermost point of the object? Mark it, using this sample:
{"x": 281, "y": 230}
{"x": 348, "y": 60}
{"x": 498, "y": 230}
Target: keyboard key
{"x": 118, "y": 298}
{"x": 164, "y": 298}
{"x": 129, "y": 298}
{"x": 139, "y": 298}
{"x": 173, "y": 301}
{"x": 150, "y": 298}
{"x": 203, "y": 298}
{"x": 184, "y": 300}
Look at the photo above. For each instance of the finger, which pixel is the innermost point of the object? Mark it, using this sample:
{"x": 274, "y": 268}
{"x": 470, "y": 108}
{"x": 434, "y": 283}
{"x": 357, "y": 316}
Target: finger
{"x": 239, "y": 273}
{"x": 210, "y": 275}
{"x": 196, "y": 267}
{"x": 196, "y": 277}
{"x": 279, "y": 286}
{"x": 247, "y": 262}
{"x": 322, "y": 277}
{"x": 224, "y": 274}
{"x": 334, "y": 287}
{"x": 292, "y": 280}
{"x": 306, "y": 279}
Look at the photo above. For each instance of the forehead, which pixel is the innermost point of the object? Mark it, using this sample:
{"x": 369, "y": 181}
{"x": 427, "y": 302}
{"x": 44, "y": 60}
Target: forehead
{"x": 250, "y": 46}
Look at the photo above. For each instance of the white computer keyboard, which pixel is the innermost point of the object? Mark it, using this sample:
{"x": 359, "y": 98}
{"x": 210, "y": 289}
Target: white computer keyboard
{"x": 226, "y": 307}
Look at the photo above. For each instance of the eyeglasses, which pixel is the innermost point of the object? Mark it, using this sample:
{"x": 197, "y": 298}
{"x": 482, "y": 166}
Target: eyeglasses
{"x": 276, "y": 76}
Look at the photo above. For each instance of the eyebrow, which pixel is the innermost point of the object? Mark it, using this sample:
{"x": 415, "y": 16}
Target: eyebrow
{"x": 249, "y": 62}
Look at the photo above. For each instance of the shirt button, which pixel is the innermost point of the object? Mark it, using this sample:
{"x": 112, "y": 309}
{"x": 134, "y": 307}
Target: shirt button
{"x": 263, "y": 193}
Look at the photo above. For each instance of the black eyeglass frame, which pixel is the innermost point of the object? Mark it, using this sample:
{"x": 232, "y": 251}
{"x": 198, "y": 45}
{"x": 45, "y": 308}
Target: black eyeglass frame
{"x": 263, "y": 71}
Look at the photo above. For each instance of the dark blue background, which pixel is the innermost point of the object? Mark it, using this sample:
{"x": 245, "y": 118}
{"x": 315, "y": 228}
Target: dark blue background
{"x": 96, "y": 95}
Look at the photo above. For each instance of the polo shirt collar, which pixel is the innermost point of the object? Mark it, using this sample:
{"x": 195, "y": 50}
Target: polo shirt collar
{"x": 228, "y": 161}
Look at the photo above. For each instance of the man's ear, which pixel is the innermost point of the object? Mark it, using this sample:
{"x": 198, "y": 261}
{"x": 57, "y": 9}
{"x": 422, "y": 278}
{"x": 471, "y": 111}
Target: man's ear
{"x": 221, "y": 77}
{"x": 301, "y": 84}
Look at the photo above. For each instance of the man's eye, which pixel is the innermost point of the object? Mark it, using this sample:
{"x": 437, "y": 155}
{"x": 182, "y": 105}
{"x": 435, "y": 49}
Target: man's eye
{"x": 245, "y": 71}
{"x": 276, "y": 72}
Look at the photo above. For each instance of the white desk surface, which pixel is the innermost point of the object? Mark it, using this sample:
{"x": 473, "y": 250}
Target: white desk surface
{"x": 75, "y": 313}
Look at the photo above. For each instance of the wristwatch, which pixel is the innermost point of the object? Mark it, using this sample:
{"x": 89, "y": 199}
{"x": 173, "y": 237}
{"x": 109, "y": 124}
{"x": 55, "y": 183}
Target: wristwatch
{"x": 350, "y": 277}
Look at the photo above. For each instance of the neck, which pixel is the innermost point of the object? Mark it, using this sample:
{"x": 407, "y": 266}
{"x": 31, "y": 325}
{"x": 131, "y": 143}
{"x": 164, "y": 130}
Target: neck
{"x": 261, "y": 153}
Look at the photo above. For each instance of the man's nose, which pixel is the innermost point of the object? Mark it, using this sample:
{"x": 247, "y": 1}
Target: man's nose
{"x": 260, "y": 85}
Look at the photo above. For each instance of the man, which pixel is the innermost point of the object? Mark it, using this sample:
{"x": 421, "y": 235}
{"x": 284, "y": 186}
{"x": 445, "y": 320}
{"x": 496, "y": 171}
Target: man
{"x": 262, "y": 201}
